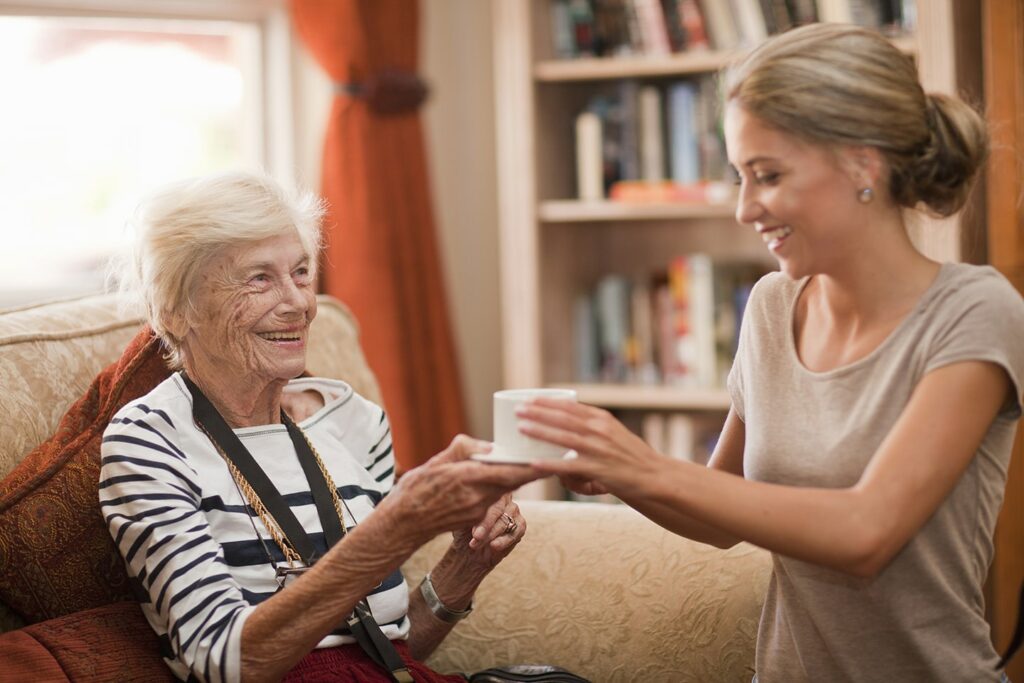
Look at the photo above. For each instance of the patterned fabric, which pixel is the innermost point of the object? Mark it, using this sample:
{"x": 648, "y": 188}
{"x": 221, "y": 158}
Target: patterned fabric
{"x": 348, "y": 663}
{"x": 189, "y": 538}
{"x": 55, "y": 555}
{"x": 603, "y": 592}
{"x": 110, "y": 643}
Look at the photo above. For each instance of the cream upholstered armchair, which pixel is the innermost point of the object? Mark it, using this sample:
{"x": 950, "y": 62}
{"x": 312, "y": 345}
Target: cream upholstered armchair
{"x": 593, "y": 588}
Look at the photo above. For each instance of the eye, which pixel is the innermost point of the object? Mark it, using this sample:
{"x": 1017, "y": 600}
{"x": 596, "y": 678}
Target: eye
{"x": 769, "y": 178}
{"x": 260, "y": 279}
{"x": 302, "y": 274}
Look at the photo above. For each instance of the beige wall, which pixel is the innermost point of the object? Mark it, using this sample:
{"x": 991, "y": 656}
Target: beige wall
{"x": 459, "y": 117}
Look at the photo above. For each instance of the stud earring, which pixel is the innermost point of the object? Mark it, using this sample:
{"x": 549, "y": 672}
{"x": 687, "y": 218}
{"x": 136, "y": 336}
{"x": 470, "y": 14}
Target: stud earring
{"x": 866, "y": 195}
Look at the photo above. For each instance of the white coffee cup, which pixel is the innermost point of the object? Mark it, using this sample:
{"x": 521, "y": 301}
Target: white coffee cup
{"x": 511, "y": 445}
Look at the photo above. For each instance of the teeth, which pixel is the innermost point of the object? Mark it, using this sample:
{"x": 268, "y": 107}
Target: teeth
{"x": 770, "y": 236}
{"x": 279, "y": 336}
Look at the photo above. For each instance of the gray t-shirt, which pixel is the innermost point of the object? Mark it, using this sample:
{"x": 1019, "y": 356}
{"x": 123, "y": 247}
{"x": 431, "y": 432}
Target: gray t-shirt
{"x": 922, "y": 618}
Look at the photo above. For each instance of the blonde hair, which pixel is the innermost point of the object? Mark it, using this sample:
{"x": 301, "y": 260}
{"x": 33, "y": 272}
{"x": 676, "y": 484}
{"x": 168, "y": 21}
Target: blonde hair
{"x": 182, "y": 227}
{"x": 835, "y": 84}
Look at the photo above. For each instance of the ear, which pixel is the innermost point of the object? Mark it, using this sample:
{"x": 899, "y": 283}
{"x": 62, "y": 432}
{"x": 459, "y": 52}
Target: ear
{"x": 175, "y": 324}
{"x": 863, "y": 164}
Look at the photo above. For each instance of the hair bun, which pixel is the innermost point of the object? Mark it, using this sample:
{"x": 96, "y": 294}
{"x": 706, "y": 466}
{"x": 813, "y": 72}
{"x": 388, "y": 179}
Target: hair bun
{"x": 940, "y": 176}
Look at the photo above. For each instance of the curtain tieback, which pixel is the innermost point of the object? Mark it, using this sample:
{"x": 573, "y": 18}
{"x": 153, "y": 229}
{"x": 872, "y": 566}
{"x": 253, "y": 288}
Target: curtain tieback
{"x": 388, "y": 92}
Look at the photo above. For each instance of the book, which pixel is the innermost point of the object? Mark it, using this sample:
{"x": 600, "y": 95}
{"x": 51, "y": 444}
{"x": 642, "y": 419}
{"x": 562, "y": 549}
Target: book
{"x": 802, "y": 11}
{"x": 684, "y": 154}
{"x": 710, "y": 140}
{"x": 651, "y": 18}
{"x": 680, "y": 437}
{"x": 612, "y": 308}
{"x": 627, "y": 113}
{"x": 751, "y": 22}
{"x": 670, "y": 192}
{"x": 611, "y": 29}
{"x": 836, "y": 11}
{"x": 652, "y": 138}
{"x": 643, "y": 366}
{"x": 582, "y": 20}
{"x": 652, "y": 431}
{"x": 693, "y": 23}
{"x": 562, "y": 30}
{"x": 674, "y": 25}
{"x": 588, "y": 354}
{"x": 589, "y": 163}
{"x": 721, "y": 24}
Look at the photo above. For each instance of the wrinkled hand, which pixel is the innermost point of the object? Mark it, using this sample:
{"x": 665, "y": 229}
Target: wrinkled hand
{"x": 451, "y": 493}
{"x": 607, "y": 453}
{"x": 498, "y": 533}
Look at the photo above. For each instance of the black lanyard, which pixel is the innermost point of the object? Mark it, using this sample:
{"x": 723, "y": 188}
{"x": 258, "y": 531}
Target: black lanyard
{"x": 208, "y": 417}
{"x": 361, "y": 623}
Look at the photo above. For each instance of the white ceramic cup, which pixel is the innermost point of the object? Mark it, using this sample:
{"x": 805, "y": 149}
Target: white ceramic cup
{"x": 510, "y": 445}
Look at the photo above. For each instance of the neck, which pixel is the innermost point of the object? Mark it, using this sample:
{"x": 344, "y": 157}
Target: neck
{"x": 877, "y": 275}
{"x": 247, "y": 402}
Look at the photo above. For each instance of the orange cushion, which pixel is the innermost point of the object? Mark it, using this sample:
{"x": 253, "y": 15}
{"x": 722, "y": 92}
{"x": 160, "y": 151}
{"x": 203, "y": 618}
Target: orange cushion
{"x": 110, "y": 643}
{"x": 56, "y": 555}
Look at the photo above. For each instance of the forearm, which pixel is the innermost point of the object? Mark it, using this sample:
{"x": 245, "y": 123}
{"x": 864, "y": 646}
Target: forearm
{"x": 455, "y": 579}
{"x": 830, "y": 527}
{"x": 670, "y": 518}
{"x": 290, "y": 624}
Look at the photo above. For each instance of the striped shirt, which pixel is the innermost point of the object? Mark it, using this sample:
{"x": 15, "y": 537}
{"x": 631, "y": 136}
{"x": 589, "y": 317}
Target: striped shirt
{"x": 194, "y": 549}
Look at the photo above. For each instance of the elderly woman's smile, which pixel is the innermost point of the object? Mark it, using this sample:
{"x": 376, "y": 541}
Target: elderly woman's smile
{"x": 253, "y": 312}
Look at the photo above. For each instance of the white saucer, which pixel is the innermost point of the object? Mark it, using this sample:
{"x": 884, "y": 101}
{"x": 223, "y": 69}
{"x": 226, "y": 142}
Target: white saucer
{"x": 499, "y": 459}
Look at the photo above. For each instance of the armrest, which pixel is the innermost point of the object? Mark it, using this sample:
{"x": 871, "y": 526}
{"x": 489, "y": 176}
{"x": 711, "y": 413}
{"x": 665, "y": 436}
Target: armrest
{"x": 602, "y": 591}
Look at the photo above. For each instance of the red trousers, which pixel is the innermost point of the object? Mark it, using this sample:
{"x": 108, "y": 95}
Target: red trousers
{"x": 349, "y": 664}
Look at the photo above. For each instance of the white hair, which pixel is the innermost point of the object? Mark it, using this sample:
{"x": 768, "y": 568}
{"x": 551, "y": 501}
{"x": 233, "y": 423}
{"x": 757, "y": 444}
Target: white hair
{"x": 183, "y": 226}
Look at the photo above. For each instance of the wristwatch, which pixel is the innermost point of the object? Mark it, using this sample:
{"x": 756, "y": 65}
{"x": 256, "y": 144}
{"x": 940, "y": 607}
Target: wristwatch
{"x": 438, "y": 608}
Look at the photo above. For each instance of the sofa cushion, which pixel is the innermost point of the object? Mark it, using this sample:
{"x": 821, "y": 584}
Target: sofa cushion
{"x": 110, "y": 643}
{"x": 56, "y": 555}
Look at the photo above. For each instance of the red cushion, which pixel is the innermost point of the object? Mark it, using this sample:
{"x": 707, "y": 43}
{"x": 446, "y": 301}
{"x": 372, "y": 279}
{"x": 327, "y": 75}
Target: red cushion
{"x": 110, "y": 643}
{"x": 56, "y": 555}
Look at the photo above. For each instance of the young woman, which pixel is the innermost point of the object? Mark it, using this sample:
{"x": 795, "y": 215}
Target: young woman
{"x": 875, "y": 393}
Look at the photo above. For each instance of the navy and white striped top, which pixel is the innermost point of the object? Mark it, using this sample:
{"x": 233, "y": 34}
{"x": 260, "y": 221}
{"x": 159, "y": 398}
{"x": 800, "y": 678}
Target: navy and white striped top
{"x": 189, "y": 538}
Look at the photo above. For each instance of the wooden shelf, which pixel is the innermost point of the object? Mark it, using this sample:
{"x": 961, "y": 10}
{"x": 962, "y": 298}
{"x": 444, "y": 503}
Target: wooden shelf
{"x": 574, "y": 211}
{"x": 679, "y": 64}
{"x": 607, "y": 68}
{"x": 642, "y": 397}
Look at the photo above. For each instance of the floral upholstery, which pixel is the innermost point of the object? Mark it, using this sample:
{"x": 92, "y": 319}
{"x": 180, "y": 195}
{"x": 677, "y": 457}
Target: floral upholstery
{"x": 594, "y": 588}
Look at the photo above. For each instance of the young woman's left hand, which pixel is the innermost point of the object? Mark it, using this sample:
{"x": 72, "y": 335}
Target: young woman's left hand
{"x": 606, "y": 450}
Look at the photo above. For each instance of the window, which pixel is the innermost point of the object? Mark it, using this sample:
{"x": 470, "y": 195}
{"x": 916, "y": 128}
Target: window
{"x": 99, "y": 111}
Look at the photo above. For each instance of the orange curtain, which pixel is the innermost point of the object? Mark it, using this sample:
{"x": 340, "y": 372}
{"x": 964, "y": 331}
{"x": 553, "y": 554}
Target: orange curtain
{"x": 381, "y": 257}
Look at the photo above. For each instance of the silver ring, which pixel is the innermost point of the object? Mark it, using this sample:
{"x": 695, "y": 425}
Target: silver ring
{"x": 510, "y": 523}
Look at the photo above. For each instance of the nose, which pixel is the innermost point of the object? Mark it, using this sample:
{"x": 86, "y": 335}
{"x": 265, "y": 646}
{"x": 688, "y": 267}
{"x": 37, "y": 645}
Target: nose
{"x": 748, "y": 209}
{"x": 293, "y": 298}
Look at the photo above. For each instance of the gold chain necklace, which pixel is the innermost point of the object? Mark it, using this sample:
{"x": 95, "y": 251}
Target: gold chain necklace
{"x": 253, "y": 498}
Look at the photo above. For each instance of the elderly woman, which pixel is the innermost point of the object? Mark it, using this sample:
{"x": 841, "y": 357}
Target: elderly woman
{"x": 256, "y": 512}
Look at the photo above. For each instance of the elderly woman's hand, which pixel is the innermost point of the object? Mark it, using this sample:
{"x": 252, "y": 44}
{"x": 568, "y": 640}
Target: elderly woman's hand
{"x": 451, "y": 493}
{"x": 489, "y": 542}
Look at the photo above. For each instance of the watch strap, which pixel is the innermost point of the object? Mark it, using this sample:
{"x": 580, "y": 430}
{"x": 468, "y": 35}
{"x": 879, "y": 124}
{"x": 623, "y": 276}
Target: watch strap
{"x": 438, "y": 608}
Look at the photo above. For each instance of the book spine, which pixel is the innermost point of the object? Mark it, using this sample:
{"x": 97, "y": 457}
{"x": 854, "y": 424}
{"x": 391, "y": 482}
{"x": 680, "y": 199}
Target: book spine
{"x": 750, "y": 20}
{"x": 693, "y": 23}
{"x": 702, "y": 319}
{"x": 652, "y": 139}
{"x": 589, "y": 166}
{"x": 721, "y": 24}
{"x": 684, "y": 161}
{"x": 652, "y": 26}
{"x": 562, "y": 30}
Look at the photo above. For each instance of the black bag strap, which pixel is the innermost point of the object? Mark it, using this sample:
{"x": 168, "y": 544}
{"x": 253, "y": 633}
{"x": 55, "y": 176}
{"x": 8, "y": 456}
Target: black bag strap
{"x": 375, "y": 644}
{"x": 1018, "y": 634}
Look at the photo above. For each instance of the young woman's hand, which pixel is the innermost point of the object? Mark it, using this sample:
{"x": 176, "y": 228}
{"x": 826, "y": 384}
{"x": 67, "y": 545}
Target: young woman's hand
{"x": 607, "y": 453}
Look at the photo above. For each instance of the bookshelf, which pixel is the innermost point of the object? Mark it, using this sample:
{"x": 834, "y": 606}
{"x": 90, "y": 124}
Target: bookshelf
{"x": 555, "y": 246}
